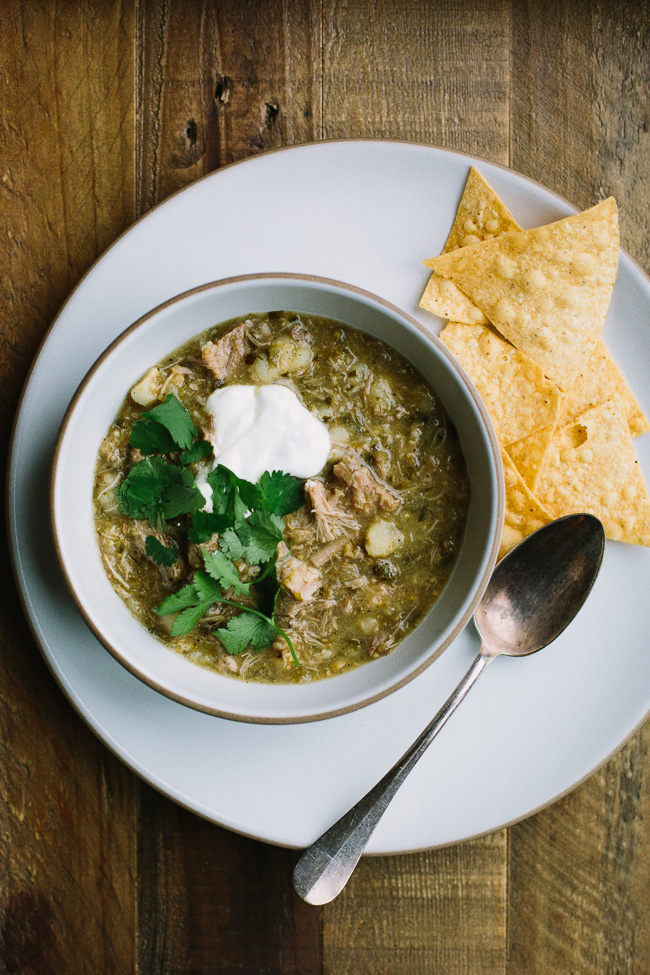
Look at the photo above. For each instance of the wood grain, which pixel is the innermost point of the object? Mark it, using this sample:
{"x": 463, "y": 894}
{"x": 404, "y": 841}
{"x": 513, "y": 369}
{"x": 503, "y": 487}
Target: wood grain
{"x": 580, "y": 870}
{"x": 219, "y": 82}
{"x": 439, "y": 911}
{"x": 66, "y": 185}
{"x": 67, "y": 808}
{"x": 429, "y": 72}
{"x": 215, "y": 902}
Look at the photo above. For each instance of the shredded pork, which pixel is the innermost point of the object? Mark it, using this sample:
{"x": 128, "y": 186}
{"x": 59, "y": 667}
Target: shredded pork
{"x": 331, "y": 520}
{"x": 364, "y": 490}
{"x": 225, "y": 355}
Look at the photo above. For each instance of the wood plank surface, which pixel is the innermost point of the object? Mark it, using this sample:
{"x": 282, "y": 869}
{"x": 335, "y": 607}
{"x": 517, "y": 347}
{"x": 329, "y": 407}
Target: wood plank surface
{"x": 428, "y": 72}
{"x": 67, "y": 180}
{"x": 579, "y": 871}
{"x": 211, "y": 901}
{"x": 67, "y": 807}
{"x": 106, "y": 110}
{"x": 219, "y": 82}
{"x": 439, "y": 911}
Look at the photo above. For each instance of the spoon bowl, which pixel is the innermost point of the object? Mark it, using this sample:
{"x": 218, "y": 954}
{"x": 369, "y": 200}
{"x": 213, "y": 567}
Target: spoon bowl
{"x": 534, "y": 593}
{"x": 539, "y": 586}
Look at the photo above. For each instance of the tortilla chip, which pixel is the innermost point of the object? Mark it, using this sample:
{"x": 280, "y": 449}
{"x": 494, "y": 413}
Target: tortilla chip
{"x": 443, "y": 298}
{"x": 481, "y": 215}
{"x": 528, "y": 453}
{"x": 547, "y": 290}
{"x": 600, "y": 381}
{"x": 516, "y": 394}
{"x": 524, "y": 513}
{"x": 591, "y": 466}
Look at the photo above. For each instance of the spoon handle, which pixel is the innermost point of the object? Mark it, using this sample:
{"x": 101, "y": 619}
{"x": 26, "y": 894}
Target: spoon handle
{"x": 324, "y": 869}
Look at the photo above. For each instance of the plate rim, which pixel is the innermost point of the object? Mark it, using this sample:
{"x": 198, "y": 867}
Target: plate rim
{"x": 163, "y": 787}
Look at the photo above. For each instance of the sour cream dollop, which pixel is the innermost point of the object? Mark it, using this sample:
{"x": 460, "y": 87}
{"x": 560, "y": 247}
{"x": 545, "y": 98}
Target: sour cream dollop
{"x": 264, "y": 428}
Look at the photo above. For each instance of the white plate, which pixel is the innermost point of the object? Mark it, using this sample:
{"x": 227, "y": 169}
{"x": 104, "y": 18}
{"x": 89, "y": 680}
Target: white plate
{"x": 366, "y": 213}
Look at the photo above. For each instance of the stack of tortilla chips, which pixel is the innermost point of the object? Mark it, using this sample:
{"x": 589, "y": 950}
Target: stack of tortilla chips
{"x": 526, "y": 309}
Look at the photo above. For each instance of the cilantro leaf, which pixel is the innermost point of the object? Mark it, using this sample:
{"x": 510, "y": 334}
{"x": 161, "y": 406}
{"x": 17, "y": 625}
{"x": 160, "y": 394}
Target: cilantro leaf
{"x": 151, "y": 437}
{"x": 220, "y": 568}
{"x": 185, "y": 597}
{"x": 163, "y": 429}
{"x": 188, "y": 618}
{"x": 254, "y": 540}
{"x": 230, "y": 494}
{"x": 208, "y": 590}
{"x": 191, "y": 603}
{"x": 175, "y": 418}
{"x": 247, "y": 493}
{"x": 181, "y": 495}
{"x": 205, "y": 524}
{"x": 197, "y": 451}
{"x": 221, "y": 485}
{"x": 275, "y": 492}
{"x": 261, "y": 534}
{"x": 155, "y": 490}
{"x": 279, "y": 493}
{"x": 140, "y": 493}
{"x": 161, "y": 554}
{"x": 231, "y": 545}
{"x": 246, "y": 629}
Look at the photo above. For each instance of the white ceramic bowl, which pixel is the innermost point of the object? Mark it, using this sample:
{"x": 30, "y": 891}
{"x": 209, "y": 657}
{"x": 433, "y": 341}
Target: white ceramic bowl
{"x": 97, "y": 401}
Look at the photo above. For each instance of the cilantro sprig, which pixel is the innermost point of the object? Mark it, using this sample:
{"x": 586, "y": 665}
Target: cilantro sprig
{"x": 250, "y": 627}
{"x": 158, "y": 491}
{"x": 254, "y": 540}
{"x": 165, "y": 428}
{"x": 278, "y": 493}
{"x": 248, "y": 519}
{"x": 220, "y": 568}
{"x": 169, "y": 428}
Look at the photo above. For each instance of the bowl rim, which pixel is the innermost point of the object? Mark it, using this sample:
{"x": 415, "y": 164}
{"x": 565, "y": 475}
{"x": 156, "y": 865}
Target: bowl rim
{"x": 488, "y": 429}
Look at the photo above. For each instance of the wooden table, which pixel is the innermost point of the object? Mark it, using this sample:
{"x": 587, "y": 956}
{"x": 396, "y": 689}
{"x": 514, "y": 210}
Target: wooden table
{"x": 106, "y": 109}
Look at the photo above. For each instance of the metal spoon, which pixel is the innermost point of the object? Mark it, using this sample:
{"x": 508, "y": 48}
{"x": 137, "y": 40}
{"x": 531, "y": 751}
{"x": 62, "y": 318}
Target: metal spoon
{"x": 534, "y": 593}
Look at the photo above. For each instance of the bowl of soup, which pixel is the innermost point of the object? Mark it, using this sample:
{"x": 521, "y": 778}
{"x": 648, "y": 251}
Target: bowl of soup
{"x": 276, "y": 498}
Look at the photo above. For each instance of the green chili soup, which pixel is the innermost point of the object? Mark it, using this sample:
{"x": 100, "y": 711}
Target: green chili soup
{"x": 289, "y": 579}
